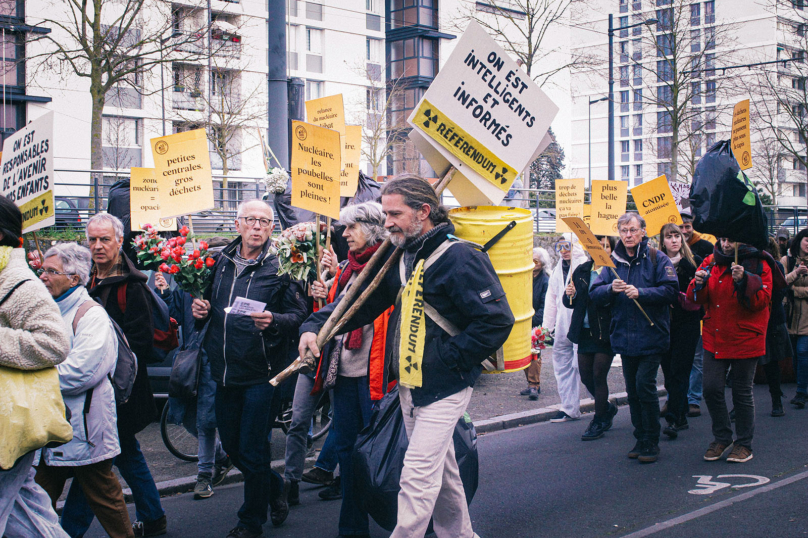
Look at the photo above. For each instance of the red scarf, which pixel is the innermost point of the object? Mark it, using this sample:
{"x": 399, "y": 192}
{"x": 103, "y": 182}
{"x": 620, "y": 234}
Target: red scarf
{"x": 356, "y": 263}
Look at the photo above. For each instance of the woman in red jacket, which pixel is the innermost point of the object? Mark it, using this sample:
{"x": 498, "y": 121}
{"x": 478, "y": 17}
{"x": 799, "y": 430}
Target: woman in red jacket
{"x": 736, "y": 300}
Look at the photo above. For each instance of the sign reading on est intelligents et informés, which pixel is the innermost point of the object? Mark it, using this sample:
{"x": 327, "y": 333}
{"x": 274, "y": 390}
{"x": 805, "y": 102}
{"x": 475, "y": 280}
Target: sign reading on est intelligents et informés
{"x": 483, "y": 115}
{"x": 144, "y": 201}
{"x": 741, "y": 135}
{"x": 27, "y": 173}
{"x": 655, "y": 203}
{"x": 315, "y": 169}
{"x": 184, "y": 175}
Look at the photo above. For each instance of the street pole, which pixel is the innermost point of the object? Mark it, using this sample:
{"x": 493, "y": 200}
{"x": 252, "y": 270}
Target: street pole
{"x": 162, "y": 91}
{"x": 591, "y": 102}
{"x": 611, "y": 98}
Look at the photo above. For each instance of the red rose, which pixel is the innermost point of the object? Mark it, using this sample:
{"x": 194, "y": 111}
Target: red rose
{"x": 172, "y": 242}
{"x": 174, "y": 270}
{"x": 184, "y": 231}
{"x": 210, "y": 262}
{"x": 203, "y": 245}
{"x": 164, "y": 268}
{"x": 166, "y": 254}
{"x": 177, "y": 258}
{"x": 181, "y": 241}
{"x": 153, "y": 250}
{"x": 196, "y": 253}
{"x": 178, "y": 251}
{"x": 199, "y": 264}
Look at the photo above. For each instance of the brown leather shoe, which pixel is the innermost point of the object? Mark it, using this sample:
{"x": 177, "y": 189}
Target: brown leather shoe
{"x": 715, "y": 451}
{"x": 693, "y": 410}
{"x": 740, "y": 454}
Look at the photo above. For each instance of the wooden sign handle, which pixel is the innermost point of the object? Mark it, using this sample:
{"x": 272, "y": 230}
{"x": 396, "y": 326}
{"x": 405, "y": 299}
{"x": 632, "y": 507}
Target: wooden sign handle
{"x": 635, "y": 300}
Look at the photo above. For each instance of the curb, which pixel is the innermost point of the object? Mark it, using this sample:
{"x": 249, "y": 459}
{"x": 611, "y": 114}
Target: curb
{"x": 504, "y": 422}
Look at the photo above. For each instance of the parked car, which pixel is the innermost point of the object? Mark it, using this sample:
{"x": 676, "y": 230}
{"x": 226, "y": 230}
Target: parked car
{"x": 795, "y": 224}
{"x": 544, "y": 220}
{"x": 213, "y": 221}
{"x": 67, "y": 214}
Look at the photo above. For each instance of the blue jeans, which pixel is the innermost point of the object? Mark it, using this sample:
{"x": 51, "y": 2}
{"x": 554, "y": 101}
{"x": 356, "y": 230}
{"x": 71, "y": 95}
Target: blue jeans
{"x": 802, "y": 364}
{"x": 303, "y": 406}
{"x": 25, "y": 508}
{"x": 77, "y": 516}
{"x": 244, "y": 424}
{"x": 643, "y": 402}
{"x": 352, "y": 409}
{"x": 694, "y": 394}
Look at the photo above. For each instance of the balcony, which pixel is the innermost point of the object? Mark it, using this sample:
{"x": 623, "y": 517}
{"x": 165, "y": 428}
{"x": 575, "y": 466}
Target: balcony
{"x": 228, "y": 46}
{"x": 193, "y": 43}
{"x": 184, "y": 99}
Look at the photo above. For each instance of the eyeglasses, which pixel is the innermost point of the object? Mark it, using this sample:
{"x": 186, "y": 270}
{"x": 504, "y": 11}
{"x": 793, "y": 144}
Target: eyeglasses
{"x": 51, "y": 272}
{"x": 250, "y": 221}
{"x": 562, "y": 246}
{"x": 630, "y": 231}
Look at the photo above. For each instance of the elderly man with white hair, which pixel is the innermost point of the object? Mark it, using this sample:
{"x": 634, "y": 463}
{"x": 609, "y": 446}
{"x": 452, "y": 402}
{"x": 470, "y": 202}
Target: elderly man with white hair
{"x": 245, "y": 352}
{"x": 541, "y": 278}
{"x": 87, "y": 392}
{"x": 121, "y": 289}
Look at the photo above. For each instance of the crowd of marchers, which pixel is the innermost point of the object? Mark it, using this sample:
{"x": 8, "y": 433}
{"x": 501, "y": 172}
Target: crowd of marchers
{"x": 707, "y": 314}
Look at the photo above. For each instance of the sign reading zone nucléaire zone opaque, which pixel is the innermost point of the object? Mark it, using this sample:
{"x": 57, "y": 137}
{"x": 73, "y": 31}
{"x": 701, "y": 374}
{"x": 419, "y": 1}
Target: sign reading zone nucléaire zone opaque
{"x": 483, "y": 115}
{"x": 27, "y": 176}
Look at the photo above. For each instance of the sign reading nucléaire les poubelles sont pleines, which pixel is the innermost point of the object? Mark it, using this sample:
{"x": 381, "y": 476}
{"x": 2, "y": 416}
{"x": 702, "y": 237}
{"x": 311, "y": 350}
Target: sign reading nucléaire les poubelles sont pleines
{"x": 483, "y": 115}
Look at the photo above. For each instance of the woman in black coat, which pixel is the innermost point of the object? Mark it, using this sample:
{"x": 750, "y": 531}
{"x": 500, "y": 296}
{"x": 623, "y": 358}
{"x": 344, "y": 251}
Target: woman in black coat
{"x": 685, "y": 331}
{"x": 541, "y": 278}
{"x": 589, "y": 329}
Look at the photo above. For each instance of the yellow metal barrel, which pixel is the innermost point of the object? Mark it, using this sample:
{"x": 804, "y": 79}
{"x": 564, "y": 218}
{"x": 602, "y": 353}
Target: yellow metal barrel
{"x": 512, "y": 258}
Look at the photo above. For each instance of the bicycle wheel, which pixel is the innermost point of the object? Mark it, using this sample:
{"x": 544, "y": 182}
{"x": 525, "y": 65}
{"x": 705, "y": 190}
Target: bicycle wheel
{"x": 178, "y": 441}
{"x": 322, "y": 417}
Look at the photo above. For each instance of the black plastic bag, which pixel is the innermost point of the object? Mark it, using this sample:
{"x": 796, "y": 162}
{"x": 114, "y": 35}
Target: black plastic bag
{"x": 378, "y": 459}
{"x": 724, "y": 202}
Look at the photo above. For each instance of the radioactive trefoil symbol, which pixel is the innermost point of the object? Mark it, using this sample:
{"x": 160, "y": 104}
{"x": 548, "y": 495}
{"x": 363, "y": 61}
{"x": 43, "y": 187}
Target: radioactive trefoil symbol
{"x": 44, "y": 209}
{"x": 433, "y": 118}
{"x": 500, "y": 176}
{"x": 411, "y": 365}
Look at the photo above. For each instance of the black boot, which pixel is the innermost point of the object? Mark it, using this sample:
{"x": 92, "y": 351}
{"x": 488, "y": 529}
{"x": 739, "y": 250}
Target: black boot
{"x": 777, "y": 407}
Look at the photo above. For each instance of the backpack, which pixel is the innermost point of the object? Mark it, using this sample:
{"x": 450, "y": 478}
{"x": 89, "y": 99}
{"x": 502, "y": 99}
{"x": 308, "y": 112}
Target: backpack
{"x": 166, "y": 329}
{"x": 123, "y": 379}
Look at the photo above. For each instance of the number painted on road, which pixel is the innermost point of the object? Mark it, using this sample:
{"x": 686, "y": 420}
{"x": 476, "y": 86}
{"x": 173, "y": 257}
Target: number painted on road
{"x": 706, "y": 486}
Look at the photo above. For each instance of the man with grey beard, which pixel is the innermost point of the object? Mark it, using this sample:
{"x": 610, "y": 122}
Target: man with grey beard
{"x": 466, "y": 316}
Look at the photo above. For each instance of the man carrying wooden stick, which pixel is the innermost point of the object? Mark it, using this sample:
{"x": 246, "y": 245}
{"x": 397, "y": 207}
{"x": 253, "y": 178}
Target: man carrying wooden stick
{"x": 644, "y": 277}
{"x": 451, "y": 315}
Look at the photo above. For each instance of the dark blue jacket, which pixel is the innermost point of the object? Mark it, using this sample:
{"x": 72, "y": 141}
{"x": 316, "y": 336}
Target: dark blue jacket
{"x": 630, "y": 332}
{"x": 463, "y": 287}
{"x": 239, "y": 353}
{"x": 539, "y": 292}
{"x": 600, "y": 318}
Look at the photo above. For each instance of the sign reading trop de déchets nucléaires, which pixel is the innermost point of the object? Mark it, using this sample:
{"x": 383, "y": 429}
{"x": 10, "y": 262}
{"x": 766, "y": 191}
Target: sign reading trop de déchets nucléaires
{"x": 483, "y": 115}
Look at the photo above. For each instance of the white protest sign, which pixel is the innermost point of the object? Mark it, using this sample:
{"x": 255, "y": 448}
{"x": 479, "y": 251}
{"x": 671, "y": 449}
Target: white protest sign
{"x": 27, "y": 166}
{"x": 483, "y": 115}
{"x": 681, "y": 194}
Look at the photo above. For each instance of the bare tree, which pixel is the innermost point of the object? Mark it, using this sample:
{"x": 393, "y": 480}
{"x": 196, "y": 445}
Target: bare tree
{"x": 767, "y": 174}
{"x": 523, "y": 27}
{"x": 120, "y": 136}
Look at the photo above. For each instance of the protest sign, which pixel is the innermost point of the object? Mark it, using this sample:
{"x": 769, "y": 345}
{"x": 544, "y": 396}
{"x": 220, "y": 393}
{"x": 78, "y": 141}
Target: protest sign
{"x": 588, "y": 215}
{"x": 484, "y": 115}
{"x": 655, "y": 203}
{"x": 351, "y": 153}
{"x": 608, "y": 203}
{"x": 569, "y": 201}
{"x": 144, "y": 201}
{"x": 681, "y": 194}
{"x": 27, "y": 164}
{"x": 184, "y": 175}
{"x": 741, "y": 136}
{"x": 589, "y": 241}
{"x": 315, "y": 169}
{"x": 328, "y": 112}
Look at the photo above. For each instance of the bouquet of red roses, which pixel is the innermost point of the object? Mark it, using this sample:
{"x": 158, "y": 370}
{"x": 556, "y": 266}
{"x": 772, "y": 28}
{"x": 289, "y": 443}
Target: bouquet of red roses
{"x": 148, "y": 246}
{"x": 539, "y": 337}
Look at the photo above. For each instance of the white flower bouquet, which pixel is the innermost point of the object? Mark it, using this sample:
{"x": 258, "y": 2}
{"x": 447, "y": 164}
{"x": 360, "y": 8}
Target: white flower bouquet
{"x": 297, "y": 251}
{"x": 276, "y": 180}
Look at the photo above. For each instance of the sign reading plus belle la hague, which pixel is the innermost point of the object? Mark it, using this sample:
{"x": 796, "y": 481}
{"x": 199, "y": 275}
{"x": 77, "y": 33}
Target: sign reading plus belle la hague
{"x": 315, "y": 169}
{"x": 608, "y": 203}
{"x": 656, "y": 204}
{"x": 184, "y": 175}
{"x": 483, "y": 115}
{"x": 27, "y": 173}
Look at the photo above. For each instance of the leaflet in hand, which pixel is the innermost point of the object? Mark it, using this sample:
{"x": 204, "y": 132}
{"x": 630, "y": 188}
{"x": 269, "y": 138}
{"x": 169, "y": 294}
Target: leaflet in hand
{"x": 245, "y": 307}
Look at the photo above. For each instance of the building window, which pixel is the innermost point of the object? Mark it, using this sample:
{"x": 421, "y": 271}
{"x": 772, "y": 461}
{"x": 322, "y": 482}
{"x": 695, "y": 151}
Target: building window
{"x": 623, "y": 24}
{"x": 663, "y": 169}
{"x": 800, "y": 30}
{"x": 624, "y": 151}
{"x": 636, "y": 5}
{"x": 8, "y": 8}
{"x": 121, "y": 142}
{"x": 637, "y": 54}
{"x": 709, "y": 122}
{"x": 798, "y": 83}
{"x": 623, "y": 125}
{"x": 623, "y": 76}
{"x": 12, "y": 71}
{"x": 624, "y": 101}
{"x": 314, "y": 89}
{"x": 623, "y": 6}
{"x": 664, "y": 71}
{"x": 373, "y": 50}
{"x": 623, "y": 52}
{"x": 402, "y": 104}
{"x": 798, "y": 56}
{"x": 624, "y": 172}
{"x": 638, "y": 99}
{"x": 413, "y": 57}
{"x": 696, "y": 88}
{"x": 664, "y": 96}
{"x": 638, "y": 150}
{"x": 664, "y": 124}
{"x": 637, "y": 74}
{"x": 292, "y": 37}
{"x": 710, "y": 139}
{"x": 637, "y": 124}
{"x": 709, "y": 91}
{"x": 663, "y": 2}
{"x": 665, "y": 20}
{"x": 709, "y": 12}
{"x": 636, "y": 19}
{"x": 797, "y": 164}
{"x": 314, "y": 10}
{"x": 709, "y": 65}
{"x": 637, "y": 174}
{"x": 412, "y": 12}
{"x": 695, "y": 121}
{"x": 709, "y": 38}
{"x": 374, "y": 98}
{"x": 695, "y": 40}
{"x": 801, "y": 190}
{"x": 314, "y": 50}
{"x": 664, "y": 45}
{"x": 373, "y": 6}
{"x": 695, "y": 14}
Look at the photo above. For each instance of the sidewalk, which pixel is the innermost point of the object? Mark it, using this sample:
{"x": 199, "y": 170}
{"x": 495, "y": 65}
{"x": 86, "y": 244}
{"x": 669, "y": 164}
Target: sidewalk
{"x": 495, "y": 405}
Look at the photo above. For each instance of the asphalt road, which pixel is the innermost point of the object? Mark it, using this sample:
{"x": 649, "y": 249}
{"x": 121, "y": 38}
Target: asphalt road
{"x": 542, "y": 481}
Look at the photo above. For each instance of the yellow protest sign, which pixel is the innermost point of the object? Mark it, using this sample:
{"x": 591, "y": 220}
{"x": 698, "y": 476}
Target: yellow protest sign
{"x": 144, "y": 201}
{"x": 184, "y": 175}
{"x": 589, "y": 241}
{"x": 656, "y": 204}
{"x": 588, "y": 215}
{"x": 608, "y": 203}
{"x": 569, "y": 201}
{"x": 741, "y": 136}
{"x": 328, "y": 112}
{"x": 351, "y": 153}
{"x": 315, "y": 169}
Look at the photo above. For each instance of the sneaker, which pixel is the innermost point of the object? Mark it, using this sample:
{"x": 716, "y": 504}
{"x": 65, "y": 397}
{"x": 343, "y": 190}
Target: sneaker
{"x": 332, "y": 492}
{"x": 294, "y": 493}
{"x": 279, "y": 506}
{"x": 315, "y": 475}
{"x": 525, "y": 392}
{"x": 561, "y": 416}
{"x": 777, "y": 408}
{"x": 595, "y": 430}
{"x": 715, "y": 451}
{"x": 203, "y": 489}
{"x": 220, "y": 471}
{"x": 740, "y": 454}
{"x": 671, "y": 431}
{"x": 635, "y": 452}
{"x": 150, "y": 528}
{"x": 693, "y": 410}
{"x": 611, "y": 413}
{"x": 534, "y": 393}
{"x": 799, "y": 400}
{"x": 650, "y": 453}
{"x": 242, "y": 532}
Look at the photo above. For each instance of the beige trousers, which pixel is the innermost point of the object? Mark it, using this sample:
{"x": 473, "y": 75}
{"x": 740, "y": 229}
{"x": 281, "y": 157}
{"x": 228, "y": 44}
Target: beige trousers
{"x": 430, "y": 480}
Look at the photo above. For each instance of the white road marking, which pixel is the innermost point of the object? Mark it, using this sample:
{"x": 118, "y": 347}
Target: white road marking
{"x": 706, "y": 486}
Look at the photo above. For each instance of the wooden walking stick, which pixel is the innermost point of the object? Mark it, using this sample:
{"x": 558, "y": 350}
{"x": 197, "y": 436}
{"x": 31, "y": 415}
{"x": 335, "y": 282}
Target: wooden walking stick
{"x": 341, "y": 314}
{"x": 635, "y": 300}
{"x": 317, "y": 254}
